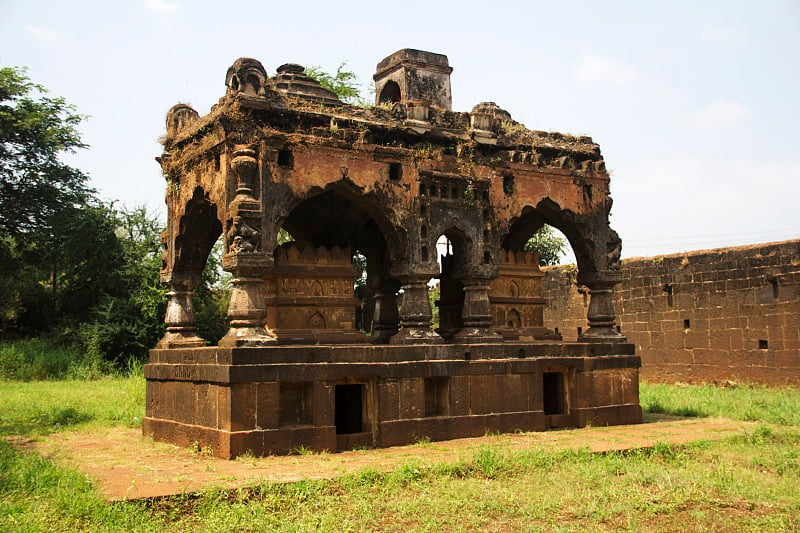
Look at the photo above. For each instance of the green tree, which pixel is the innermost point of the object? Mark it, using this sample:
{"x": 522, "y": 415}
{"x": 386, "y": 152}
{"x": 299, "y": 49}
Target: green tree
{"x": 35, "y": 130}
{"x": 212, "y": 296}
{"x": 343, "y": 84}
{"x": 549, "y": 244}
{"x": 126, "y": 315}
{"x": 37, "y": 190}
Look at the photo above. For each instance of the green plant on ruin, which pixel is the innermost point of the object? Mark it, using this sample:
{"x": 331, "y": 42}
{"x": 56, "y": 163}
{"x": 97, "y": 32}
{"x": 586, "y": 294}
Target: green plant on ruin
{"x": 571, "y": 271}
{"x": 469, "y": 195}
{"x": 465, "y": 154}
{"x": 174, "y": 187}
{"x": 344, "y": 83}
{"x": 508, "y": 127}
{"x": 428, "y": 150}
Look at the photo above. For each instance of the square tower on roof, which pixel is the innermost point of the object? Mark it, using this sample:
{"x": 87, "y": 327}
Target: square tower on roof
{"x": 409, "y": 75}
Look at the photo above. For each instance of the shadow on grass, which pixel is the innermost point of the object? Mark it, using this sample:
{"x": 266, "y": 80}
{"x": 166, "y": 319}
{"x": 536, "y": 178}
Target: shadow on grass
{"x": 656, "y": 407}
{"x": 44, "y": 422}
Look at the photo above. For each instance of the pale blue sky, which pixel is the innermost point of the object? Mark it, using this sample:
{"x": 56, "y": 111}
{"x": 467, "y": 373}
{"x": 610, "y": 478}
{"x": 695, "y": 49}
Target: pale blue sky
{"x": 694, "y": 104}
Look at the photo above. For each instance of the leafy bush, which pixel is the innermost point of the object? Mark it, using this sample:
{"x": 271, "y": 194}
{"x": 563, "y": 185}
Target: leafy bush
{"x": 47, "y": 358}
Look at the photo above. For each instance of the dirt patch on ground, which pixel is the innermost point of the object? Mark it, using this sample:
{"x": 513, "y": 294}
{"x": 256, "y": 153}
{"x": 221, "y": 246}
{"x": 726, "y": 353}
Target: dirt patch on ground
{"x": 127, "y": 466}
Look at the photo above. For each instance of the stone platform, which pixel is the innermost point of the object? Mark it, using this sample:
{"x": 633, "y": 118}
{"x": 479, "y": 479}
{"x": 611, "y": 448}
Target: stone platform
{"x": 270, "y": 400}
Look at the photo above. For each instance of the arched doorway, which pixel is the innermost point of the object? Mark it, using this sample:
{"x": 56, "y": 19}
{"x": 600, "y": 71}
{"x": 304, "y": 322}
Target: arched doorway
{"x": 390, "y": 93}
{"x": 184, "y": 256}
{"x": 340, "y": 244}
{"x": 451, "y": 247}
{"x": 519, "y": 306}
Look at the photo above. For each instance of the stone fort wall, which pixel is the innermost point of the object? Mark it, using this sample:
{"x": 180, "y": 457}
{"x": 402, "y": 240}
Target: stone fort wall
{"x": 708, "y": 315}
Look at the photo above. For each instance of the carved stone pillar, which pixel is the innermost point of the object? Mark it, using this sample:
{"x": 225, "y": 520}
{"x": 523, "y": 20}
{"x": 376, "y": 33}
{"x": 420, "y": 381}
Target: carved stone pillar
{"x": 601, "y": 315}
{"x": 477, "y": 313}
{"x": 247, "y": 313}
{"x": 180, "y": 317}
{"x": 245, "y": 259}
{"x": 387, "y": 318}
{"x": 415, "y": 312}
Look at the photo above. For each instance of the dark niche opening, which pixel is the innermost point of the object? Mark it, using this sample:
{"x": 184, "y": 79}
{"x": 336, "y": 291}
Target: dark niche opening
{"x": 555, "y": 394}
{"x": 285, "y": 159}
{"x": 508, "y": 185}
{"x": 395, "y": 171}
{"x": 390, "y": 93}
{"x": 349, "y": 408}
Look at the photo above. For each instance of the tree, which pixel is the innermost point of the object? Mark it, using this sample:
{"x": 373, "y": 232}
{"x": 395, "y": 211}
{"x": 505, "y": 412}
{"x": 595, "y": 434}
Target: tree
{"x": 35, "y": 130}
{"x": 127, "y": 302}
{"x": 37, "y": 190}
{"x": 549, "y": 244}
{"x": 343, "y": 84}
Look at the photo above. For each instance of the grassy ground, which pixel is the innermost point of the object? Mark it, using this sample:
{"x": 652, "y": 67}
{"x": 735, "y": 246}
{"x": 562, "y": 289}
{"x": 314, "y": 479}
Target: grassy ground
{"x": 746, "y": 483}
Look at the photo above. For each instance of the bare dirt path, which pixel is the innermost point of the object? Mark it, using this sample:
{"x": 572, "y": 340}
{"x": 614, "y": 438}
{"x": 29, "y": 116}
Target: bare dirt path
{"x": 127, "y": 466}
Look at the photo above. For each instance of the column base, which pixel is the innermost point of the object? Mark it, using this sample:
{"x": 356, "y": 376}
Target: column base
{"x": 602, "y": 334}
{"x": 477, "y": 335}
{"x": 181, "y": 339}
{"x": 412, "y": 335}
{"x": 383, "y": 336}
{"x": 247, "y": 336}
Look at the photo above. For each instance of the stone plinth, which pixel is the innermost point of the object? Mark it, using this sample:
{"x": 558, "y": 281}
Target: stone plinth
{"x": 269, "y": 400}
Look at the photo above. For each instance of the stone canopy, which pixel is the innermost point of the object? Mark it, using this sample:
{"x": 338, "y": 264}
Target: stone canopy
{"x": 386, "y": 181}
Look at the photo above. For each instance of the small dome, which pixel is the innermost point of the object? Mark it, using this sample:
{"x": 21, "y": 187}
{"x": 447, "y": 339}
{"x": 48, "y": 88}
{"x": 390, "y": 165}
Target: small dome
{"x": 488, "y": 116}
{"x": 291, "y": 80}
{"x": 491, "y": 109}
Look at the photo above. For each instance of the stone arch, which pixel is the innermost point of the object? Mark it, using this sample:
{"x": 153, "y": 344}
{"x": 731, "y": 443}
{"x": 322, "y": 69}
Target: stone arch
{"x": 462, "y": 246}
{"x": 454, "y": 264}
{"x": 187, "y": 241}
{"x": 390, "y": 93}
{"x": 581, "y": 232}
{"x": 340, "y": 216}
{"x": 199, "y": 228}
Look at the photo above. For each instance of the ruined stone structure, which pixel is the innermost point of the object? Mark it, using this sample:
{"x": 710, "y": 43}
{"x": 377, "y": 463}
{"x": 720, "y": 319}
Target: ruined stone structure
{"x": 387, "y": 182}
{"x": 730, "y": 314}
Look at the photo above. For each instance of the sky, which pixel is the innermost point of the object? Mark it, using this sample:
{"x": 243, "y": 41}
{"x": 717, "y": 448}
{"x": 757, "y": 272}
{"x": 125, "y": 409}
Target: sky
{"x": 694, "y": 103}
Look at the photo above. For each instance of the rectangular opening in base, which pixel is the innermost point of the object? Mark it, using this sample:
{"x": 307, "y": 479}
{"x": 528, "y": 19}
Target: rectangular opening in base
{"x": 437, "y": 396}
{"x": 295, "y": 404}
{"x": 555, "y": 393}
{"x": 349, "y": 408}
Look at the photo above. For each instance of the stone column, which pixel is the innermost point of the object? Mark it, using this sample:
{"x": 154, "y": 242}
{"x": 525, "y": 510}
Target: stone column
{"x": 477, "y": 313}
{"x": 247, "y": 311}
{"x": 386, "y": 319}
{"x": 601, "y": 315}
{"x": 245, "y": 258}
{"x": 415, "y": 312}
{"x": 180, "y": 317}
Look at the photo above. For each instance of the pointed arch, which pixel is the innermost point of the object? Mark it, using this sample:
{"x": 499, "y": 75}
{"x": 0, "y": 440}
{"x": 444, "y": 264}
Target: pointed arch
{"x": 578, "y": 230}
{"x": 199, "y": 228}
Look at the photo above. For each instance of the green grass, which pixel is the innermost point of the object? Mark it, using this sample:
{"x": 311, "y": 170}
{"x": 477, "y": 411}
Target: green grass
{"x": 44, "y": 358}
{"x": 776, "y": 405}
{"x": 744, "y": 483}
{"x": 40, "y": 407}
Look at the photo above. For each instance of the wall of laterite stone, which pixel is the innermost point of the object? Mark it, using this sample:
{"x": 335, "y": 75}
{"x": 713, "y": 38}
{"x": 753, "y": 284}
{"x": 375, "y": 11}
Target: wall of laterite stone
{"x": 702, "y": 316}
